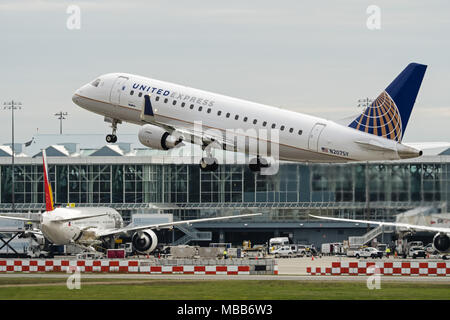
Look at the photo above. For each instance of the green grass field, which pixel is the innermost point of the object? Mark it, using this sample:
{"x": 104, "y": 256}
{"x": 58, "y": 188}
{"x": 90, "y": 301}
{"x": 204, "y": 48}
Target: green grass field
{"x": 53, "y": 288}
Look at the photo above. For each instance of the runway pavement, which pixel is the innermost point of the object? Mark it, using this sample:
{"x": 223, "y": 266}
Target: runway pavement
{"x": 233, "y": 277}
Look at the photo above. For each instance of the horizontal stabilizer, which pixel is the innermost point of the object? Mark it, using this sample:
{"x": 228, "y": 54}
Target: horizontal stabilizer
{"x": 19, "y": 219}
{"x": 374, "y": 145}
{"x": 403, "y": 151}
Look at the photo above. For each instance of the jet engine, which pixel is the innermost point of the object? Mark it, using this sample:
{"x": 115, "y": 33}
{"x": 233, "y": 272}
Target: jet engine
{"x": 144, "y": 241}
{"x": 157, "y": 138}
{"x": 441, "y": 242}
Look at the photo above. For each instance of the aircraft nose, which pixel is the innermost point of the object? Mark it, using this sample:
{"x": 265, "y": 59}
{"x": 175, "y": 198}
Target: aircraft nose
{"x": 76, "y": 96}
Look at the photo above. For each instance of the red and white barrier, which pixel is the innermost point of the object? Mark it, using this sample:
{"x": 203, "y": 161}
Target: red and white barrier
{"x": 226, "y": 270}
{"x": 40, "y": 265}
{"x": 275, "y": 269}
{"x": 121, "y": 266}
{"x": 396, "y": 268}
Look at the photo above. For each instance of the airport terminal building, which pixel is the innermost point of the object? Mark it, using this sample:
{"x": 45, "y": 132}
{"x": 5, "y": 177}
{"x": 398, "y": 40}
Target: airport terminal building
{"x": 133, "y": 179}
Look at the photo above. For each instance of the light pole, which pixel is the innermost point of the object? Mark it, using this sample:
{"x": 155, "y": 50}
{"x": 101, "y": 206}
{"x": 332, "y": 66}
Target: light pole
{"x": 12, "y": 105}
{"x": 365, "y": 103}
{"x": 61, "y": 118}
{"x": 367, "y": 177}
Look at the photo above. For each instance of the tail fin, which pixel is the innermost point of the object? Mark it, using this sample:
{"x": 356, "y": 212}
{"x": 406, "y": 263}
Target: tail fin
{"x": 388, "y": 115}
{"x": 47, "y": 186}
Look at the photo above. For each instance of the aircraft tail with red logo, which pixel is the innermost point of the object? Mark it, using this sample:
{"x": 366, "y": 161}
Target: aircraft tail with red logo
{"x": 49, "y": 206}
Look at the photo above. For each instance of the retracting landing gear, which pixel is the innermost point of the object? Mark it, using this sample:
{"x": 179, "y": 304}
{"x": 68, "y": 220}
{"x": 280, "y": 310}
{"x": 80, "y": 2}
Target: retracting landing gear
{"x": 112, "y": 138}
{"x": 208, "y": 163}
{"x": 257, "y": 163}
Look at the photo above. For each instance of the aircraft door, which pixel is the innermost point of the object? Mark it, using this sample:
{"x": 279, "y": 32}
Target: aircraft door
{"x": 117, "y": 88}
{"x": 313, "y": 140}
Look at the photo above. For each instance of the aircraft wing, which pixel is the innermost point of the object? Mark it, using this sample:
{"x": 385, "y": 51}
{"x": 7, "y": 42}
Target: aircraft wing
{"x": 428, "y": 145}
{"x": 35, "y": 232}
{"x": 394, "y": 224}
{"x": 199, "y": 136}
{"x": 62, "y": 220}
{"x": 215, "y": 138}
{"x": 19, "y": 218}
{"x": 102, "y": 233}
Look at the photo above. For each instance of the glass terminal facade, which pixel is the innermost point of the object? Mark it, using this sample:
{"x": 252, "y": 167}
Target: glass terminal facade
{"x": 355, "y": 190}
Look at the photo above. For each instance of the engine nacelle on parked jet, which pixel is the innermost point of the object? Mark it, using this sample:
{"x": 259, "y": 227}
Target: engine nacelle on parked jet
{"x": 144, "y": 241}
{"x": 441, "y": 242}
{"x": 157, "y": 138}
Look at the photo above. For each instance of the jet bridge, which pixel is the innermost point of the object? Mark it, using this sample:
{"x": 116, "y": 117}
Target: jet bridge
{"x": 12, "y": 234}
{"x": 9, "y": 236}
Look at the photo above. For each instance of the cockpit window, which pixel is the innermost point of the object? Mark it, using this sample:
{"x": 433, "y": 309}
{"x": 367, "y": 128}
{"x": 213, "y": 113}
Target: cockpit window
{"x": 96, "y": 82}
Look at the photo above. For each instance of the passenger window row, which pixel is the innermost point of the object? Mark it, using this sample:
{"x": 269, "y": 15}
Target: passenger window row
{"x": 219, "y": 113}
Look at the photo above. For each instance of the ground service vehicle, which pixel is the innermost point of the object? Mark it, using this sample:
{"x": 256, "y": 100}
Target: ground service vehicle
{"x": 416, "y": 252}
{"x": 36, "y": 252}
{"x": 275, "y": 243}
{"x": 430, "y": 249}
{"x": 369, "y": 253}
{"x": 283, "y": 252}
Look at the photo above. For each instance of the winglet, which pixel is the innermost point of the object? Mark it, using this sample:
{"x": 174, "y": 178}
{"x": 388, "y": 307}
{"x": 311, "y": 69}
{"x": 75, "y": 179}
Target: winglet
{"x": 47, "y": 186}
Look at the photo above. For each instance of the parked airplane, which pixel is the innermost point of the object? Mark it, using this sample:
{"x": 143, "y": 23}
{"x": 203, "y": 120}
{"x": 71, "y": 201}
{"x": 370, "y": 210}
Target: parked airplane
{"x": 169, "y": 114}
{"x": 87, "y": 227}
{"x": 441, "y": 241}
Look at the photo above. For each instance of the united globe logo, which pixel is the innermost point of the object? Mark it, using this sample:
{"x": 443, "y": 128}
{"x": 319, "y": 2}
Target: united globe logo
{"x": 381, "y": 118}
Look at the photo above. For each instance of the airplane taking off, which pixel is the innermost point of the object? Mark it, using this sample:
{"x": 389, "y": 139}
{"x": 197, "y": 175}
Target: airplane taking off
{"x": 86, "y": 226}
{"x": 441, "y": 241}
{"x": 170, "y": 114}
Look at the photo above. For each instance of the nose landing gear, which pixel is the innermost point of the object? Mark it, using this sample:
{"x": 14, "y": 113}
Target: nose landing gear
{"x": 112, "y": 138}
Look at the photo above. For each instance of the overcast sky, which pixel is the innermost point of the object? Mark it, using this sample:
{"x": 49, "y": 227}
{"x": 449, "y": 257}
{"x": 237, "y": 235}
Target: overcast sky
{"x": 310, "y": 57}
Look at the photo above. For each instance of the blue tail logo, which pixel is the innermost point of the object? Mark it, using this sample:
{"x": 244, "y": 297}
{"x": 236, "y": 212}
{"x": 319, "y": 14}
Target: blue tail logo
{"x": 388, "y": 115}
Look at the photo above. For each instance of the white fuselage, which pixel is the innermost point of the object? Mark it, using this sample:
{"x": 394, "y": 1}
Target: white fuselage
{"x": 301, "y": 137}
{"x": 79, "y": 231}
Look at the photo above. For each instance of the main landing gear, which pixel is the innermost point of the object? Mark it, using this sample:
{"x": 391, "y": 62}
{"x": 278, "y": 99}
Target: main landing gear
{"x": 112, "y": 138}
{"x": 257, "y": 163}
{"x": 209, "y": 164}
